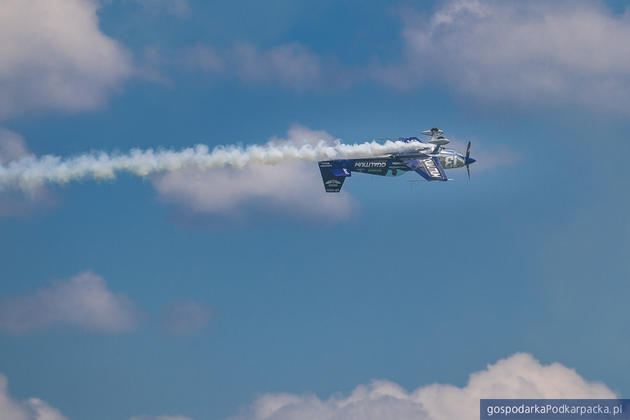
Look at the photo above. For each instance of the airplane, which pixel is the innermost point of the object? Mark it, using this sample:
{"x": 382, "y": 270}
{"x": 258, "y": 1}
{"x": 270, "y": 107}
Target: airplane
{"x": 429, "y": 160}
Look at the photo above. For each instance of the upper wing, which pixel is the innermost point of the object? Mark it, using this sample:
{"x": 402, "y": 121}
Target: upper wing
{"x": 429, "y": 167}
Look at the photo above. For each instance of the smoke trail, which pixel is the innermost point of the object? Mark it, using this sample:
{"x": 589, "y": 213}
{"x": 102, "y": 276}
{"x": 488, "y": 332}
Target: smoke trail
{"x": 32, "y": 171}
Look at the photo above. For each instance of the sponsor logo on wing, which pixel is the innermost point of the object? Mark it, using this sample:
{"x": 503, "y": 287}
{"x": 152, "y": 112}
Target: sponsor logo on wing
{"x": 332, "y": 183}
{"x": 363, "y": 164}
{"x": 431, "y": 168}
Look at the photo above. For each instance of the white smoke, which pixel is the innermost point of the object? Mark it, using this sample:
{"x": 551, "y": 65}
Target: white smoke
{"x": 31, "y": 171}
{"x": 19, "y": 202}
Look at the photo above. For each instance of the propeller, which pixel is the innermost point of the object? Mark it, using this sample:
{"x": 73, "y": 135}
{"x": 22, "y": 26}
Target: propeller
{"x": 468, "y": 160}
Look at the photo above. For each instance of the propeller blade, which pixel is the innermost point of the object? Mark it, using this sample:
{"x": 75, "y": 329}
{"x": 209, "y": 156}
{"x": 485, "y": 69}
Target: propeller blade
{"x": 468, "y": 160}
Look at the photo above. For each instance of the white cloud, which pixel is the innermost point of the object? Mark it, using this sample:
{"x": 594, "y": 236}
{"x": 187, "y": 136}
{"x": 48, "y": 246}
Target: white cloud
{"x": 526, "y": 53}
{"x": 186, "y": 317}
{"x": 291, "y": 189}
{"x": 53, "y": 56}
{"x": 31, "y": 409}
{"x": 12, "y": 146}
{"x": 518, "y": 376}
{"x": 495, "y": 52}
{"x": 83, "y": 300}
{"x": 203, "y": 57}
{"x": 292, "y": 65}
{"x": 19, "y": 201}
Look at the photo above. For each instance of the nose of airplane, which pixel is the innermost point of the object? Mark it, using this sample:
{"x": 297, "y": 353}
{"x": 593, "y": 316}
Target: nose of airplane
{"x": 470, "y": 160}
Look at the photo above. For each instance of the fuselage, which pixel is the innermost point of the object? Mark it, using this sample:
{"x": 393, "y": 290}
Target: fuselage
{"x": 393, "y": 165}
{"x": 428, "y": 159}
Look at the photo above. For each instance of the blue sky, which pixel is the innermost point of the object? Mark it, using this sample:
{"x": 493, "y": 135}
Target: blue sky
{"x": 207, "y": 295}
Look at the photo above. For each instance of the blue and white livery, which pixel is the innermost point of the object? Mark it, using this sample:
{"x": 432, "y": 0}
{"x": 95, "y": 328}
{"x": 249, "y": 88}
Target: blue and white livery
{"x": 429, "y": 160}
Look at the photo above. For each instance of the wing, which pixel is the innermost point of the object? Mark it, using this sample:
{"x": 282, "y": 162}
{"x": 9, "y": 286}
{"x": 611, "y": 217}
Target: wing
{"x": 429, "y": 167}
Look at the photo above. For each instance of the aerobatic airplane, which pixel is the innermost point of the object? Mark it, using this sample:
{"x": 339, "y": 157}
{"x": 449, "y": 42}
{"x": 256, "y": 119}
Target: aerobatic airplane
{"x": 429, "y": 160}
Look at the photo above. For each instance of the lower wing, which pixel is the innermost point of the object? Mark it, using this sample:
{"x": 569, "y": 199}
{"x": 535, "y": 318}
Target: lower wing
{"x": 429, "y": 167}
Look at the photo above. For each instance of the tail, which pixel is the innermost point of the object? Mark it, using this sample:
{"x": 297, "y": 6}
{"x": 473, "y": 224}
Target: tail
{"x": 333, "y": 178}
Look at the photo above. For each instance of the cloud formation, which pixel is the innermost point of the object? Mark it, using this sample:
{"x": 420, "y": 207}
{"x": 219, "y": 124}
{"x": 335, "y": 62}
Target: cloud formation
{"x": 53, "y": 56}
{"x": 82, "y": 301}
{"x": 20, "y": 201}
{"x": 495, "y": 52}
{"x": 524, "y": 53}
{"x": 36, "y": 409}
{"x": 287, "y": 188}
{"x": 186, "y": 317}
{"x": 291, "y": 65}
{"x": 31, "y": 409}
{"x": 518, "y": 376}
{"x": 202, "y": 57}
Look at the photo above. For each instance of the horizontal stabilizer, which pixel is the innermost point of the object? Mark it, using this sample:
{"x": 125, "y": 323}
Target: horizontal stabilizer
{"x": 341, "y": 172}
{"x": 441, "y": 141}
{"x": 332, "y": 182}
